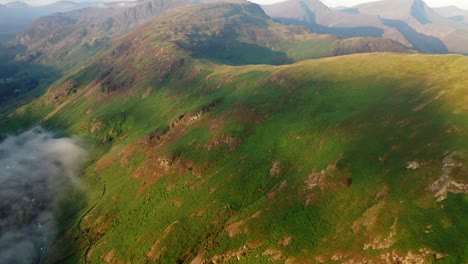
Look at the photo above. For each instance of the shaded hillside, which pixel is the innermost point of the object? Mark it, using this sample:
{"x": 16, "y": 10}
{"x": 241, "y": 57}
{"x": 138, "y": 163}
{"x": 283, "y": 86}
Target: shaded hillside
{"x": 423, "y": 27}
{"x": 21, "y": 81}
{"x": 69, "y": 39}
{"x": 235, "y": 34}
{"x": 411, "y": 22}
{"x": 321, "y": 19}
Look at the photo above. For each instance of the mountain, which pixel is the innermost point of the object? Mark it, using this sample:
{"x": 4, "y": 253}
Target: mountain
{"x": 411, "y": 22}
{"x": 422, "y": 26}
{"x": 321, "y": 19}
{"x": 230, "y": 34}
{"x": 454, "y": 13}
{"x": 67, "y": 39}
{"x": 64, "y": 43}
{"x": 16, "y": 16}
{"x": 358, "y": 158}
{"x": 64, "y": 39}
{"x": 65, "y": 5}
{"x": 17, "y": 4}
{"x": 200, "y": 152}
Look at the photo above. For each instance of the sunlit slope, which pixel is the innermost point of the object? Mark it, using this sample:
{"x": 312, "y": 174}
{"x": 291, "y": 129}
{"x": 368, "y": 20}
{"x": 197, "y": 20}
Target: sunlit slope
{"x": 234, "y": 33}
{"x": 361, "y": 157}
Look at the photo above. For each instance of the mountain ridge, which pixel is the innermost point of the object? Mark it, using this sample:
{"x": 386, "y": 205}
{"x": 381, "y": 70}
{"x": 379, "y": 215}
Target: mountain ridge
{"x": 325, "y": 20}
{"x": 412, "y": 23}
{"x": 85, "y": 31}
{"x": 454, "y": 13}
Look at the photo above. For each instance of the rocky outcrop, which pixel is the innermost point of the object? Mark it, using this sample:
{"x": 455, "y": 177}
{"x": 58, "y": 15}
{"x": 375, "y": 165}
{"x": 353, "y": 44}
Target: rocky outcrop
{"x": 446, "y": 183}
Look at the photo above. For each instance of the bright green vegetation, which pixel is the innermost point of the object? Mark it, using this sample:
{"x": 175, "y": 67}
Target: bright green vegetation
{"x": 331, "y": 159}
{"x": 354, "y": 129}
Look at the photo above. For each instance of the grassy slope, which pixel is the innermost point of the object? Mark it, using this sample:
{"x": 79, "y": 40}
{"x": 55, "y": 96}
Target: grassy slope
{"x": 206, "y": 188}
{"x": 187, "y": 148}
{"x": 235, "y": 34}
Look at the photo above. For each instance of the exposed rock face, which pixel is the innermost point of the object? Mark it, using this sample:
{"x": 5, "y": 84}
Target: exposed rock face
{"x": 383, "y": 243}
{"x": 413, "y": 165}
{"x": 446, "y": 183}
{"x": 275, "y": 169}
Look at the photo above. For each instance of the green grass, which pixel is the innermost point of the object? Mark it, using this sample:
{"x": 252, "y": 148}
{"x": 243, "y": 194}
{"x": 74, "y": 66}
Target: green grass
{"x": 347, "y": 111}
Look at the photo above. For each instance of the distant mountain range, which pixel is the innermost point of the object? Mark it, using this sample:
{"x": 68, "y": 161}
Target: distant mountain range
{"x": 454, "y": 13}
{"x": 68, "y": 39}
{"x": 410, "y": 22}
{"x": 16, "y": 16}
{"x": 65, "y": 39}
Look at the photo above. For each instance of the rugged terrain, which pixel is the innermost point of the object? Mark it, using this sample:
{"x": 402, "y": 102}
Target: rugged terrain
{"x": 64, "y": 43}
{"x": 212, "y": 138}
{"x": 410, "y": 22}
{"x": 67, "y": 40}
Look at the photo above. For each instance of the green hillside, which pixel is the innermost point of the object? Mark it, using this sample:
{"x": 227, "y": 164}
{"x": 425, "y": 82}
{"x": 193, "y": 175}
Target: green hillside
{"x": 86, "y": 43}
{"x": 197, "y": 158}
{"x": 311, "y": 160}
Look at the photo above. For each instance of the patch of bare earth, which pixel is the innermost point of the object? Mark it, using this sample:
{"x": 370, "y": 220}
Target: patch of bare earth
{"x": 156, "y": 249}
{"x": 240, "y": 227}
{"x": 275, "y": 169}
{"x": 147, "y": 93}
{"x": 421, "y": 256}
{"x": 271, "y": 195}
{"x": 368, "y": 223}
{"x": 235, "y": 254}
{"x": 111, "y": 257}
{"x": 274, "y": 254}
{"x": 285, "y": 241}
{"x": 330, "y": 178}
{"x": 380, "y": 242}
{"x": 155, "y": 168}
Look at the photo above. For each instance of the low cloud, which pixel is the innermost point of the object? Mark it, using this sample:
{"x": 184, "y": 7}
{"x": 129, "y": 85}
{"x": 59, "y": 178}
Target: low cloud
{"x": 35, "y": 168}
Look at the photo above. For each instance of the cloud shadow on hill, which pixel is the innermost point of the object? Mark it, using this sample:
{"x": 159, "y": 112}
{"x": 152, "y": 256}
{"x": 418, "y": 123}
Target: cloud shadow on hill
{"x": 20, "y": 80}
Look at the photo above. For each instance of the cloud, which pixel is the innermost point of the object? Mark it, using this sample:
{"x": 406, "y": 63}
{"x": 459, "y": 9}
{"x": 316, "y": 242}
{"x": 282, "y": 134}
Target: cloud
{"x": 36, "y": 168}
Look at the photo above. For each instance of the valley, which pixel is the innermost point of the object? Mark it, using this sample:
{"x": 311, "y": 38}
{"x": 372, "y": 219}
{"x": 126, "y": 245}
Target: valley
{"x": 215, "y": 133}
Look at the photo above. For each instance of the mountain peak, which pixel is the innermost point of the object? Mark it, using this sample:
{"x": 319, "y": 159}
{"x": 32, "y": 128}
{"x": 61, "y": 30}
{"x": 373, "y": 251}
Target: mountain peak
{"x": 315, "y": 5}
{"x": 398, "y": 9}
{"x": 303, "y": 9}
{"x": 17, "y": 4}
{"x": 419, "y": 10}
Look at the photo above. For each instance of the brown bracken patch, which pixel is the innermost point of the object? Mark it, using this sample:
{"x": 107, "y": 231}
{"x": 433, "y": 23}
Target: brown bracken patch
{"x": 156, "y": 249}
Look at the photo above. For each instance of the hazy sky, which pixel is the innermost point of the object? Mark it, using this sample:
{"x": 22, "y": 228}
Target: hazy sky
{"x": 434, "y": 3}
